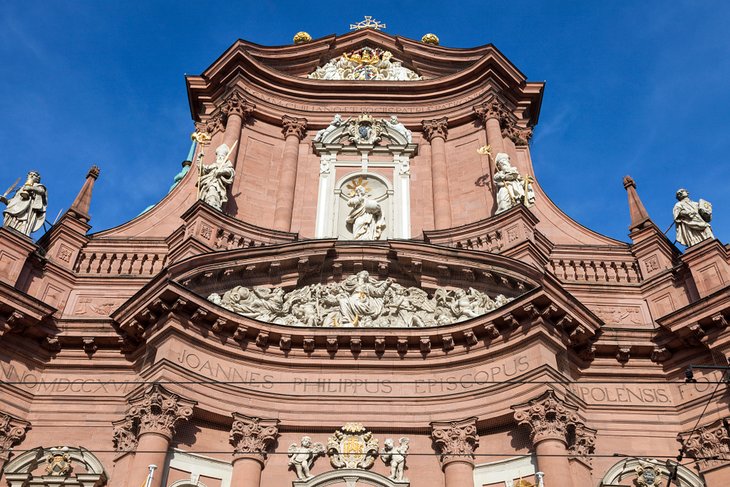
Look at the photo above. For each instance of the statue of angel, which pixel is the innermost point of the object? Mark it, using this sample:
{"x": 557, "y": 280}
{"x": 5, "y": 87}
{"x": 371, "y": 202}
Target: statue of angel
{"x": 302, "y": 456}
{"x": 336, "y": 122}
{"x": 395, "y": 456}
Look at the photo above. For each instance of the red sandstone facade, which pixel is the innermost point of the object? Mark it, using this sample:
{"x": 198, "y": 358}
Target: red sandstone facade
{"x": 109, "y": 347}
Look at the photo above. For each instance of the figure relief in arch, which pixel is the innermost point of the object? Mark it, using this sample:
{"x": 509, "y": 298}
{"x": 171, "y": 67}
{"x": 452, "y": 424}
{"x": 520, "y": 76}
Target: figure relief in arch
{"x": 365, "y": 220}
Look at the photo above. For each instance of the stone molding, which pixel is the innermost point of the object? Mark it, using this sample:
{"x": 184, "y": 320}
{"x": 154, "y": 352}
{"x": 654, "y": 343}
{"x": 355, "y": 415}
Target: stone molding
{"x": 437, "y": 127}
{"x": 12, "y": 432}
{"x": 549, "y": 418}
{"x": 455, "y": 440}
{"x": 710, "y": 444}
{"x": 252, "y": 437}
{"x": 236, "y": 104}
{"x": 156, "y": 411}
{"x": 294, "y": 126}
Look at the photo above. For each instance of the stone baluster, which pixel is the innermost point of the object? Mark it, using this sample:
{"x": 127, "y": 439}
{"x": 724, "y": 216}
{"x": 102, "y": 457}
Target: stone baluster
{"x": 12, "y": 432}
{"x": 251, "y": 439}
{"x": 491, "y": 113}
{"x": 711, "y": 444}
{"x": 235, "y": 111}
{"x": 294, "y": 130}
{"x": 436, "y": 132}
{"x": 148, "y": 429}
{"x": 550, "y": 421}
{"x": 456, "y": 442}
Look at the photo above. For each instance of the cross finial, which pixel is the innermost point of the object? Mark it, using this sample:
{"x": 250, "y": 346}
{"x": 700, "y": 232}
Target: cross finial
{"x": 368, "y": 23}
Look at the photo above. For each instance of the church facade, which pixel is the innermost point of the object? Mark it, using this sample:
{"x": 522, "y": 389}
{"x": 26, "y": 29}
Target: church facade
{"x": 357, "y": 280}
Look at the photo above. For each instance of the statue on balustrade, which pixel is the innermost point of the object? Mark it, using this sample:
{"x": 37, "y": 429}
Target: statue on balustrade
{"x": 26, "y": 210}
{"x": 692, "y": 219}
{"x": 215, "y": 178}
{"x": 365, "y": 220}
{"x": 512, "y": 188}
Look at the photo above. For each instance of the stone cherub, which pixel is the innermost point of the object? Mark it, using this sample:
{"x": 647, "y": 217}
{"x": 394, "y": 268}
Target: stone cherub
{"x": 26, "y": 210}
{"x": 692, "y": 219}
{"x": 302, "y": 456}
{"x": 395, "y": 456}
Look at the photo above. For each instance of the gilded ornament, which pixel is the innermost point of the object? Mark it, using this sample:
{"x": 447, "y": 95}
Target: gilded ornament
{"x": 430, "y": 39}
{"x": 368, "y": 23}
{"x": 302, "y": 38}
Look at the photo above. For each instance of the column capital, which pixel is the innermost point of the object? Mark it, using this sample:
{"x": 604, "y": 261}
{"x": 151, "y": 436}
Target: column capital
{"x": 437, "y": 127}
{"x": 294, "y": 126}
{"x": 710, "y": 442}
{"x": 548, "y": 417}
{"x": 155, "y": 411}
{"x": 455, "y": 440}
{"x": 236, "y": 104}
{"x": 252, "y": 437}
{"x": 212, "y": 124}
{"x": 493, "y": 108}
{"x": 12, "y": 432}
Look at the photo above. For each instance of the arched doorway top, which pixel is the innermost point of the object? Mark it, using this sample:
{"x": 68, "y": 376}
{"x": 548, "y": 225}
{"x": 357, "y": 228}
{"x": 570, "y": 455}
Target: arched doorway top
{"x": 627, "y": 469}
{"x": 349, "y": 478}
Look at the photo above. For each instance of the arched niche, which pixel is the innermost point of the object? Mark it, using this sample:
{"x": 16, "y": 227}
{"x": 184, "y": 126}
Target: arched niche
{"x": 624, "y": 473}
{"x": 187, "y": 483}
{"x": 345, "y": 154}
{"x": 78, "y": 467}
{"x": 349, "y": 478}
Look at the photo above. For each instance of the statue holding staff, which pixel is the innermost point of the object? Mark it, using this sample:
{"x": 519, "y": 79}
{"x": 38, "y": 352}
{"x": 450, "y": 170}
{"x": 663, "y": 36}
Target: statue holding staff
{"x": 512, "y": 188}
{"x": 214, "y": 179}
{"x": 26, "y": 210}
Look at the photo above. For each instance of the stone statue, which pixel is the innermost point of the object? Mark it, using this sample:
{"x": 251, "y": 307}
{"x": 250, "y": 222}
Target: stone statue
{"x": 512, "y": 188}
{"x": 215, "y": 179}
{"x": 366, "y": 220}
{"x": 395, "y": 456}
{"x": 26, "y": 210}
{"x": 358, "y": 301}
{"x": 302, "y": 456}
{"x": 334, "y": 124}
{"x": 365, "y": 64}
{"x": 400, "y": 128}
{"x": 692, "y": 219}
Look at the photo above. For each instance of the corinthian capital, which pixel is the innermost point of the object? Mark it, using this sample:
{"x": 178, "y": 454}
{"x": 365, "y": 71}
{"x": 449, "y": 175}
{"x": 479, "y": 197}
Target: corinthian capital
{"x": 548, "y": 418}
{"x": 156, "y": 411}
{"x": 493, "y": 108}
{"x": 709, "y": 442}
{"x": 12, "y": 432}
{"x": 455, "y": 440}
{"x": 294, "y": 126}
{"x": 253, "y": 436}
{"x": 437, "y": 127}
{"x": 236, "y": 104}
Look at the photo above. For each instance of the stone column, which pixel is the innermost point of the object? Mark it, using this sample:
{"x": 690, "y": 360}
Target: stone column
{"x": 712, "y": 443}
{"x": 436, "y": 132}
{"x": 235, "y": 110}
{"x": 294, "y": 131}
{"x": 148, "y": 429}
{"x": 550, "y": 421}
{"x": 251, "y": 439}
{"x": 456, "y": 442}
{"x": 12, "y": 432}
{"x": 491, "y": 113}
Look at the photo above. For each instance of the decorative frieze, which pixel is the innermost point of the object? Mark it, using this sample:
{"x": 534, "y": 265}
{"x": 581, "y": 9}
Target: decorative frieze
{"x": 252, "y": 436}
{"x": 157, "y": 411}
{"x": 455, "y": 440}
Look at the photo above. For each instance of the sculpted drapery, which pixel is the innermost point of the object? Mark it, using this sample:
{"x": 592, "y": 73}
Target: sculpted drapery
{"x": 512, "y": 189}
{"x": 215, "y": 179}
{"x": 26, "y": 210}
{"x": 692, "y": 228}
{"x": 365, "y": 221}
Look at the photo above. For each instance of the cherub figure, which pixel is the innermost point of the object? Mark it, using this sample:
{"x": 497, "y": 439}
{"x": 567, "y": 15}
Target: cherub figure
{"x": 302, "y": 456}
{"x": 395, "y": 456}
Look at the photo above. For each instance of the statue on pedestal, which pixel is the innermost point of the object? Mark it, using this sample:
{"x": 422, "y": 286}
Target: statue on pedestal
{"x": 395, "y": 456}
{"x": 365, "y": 221}
{"x": 302, "y": 456}
{"x": 215, "y": 178}
{"x": 512, "y": 188}
{"x": 692, "y": 219}
{"x": 26, "y": 210}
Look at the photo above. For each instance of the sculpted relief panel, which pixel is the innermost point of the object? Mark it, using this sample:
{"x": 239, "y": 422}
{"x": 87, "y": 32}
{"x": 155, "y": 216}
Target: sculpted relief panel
{"x": 363, "y": 65}
{"x": 358, "y": 301}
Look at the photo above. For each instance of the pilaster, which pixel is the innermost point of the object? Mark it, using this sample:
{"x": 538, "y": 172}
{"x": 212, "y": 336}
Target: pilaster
{"x": 456, "y": 442}
{"x": 436, "y": 131}
{"x": 251, "y": 439}
{"x": 294, "y": 130}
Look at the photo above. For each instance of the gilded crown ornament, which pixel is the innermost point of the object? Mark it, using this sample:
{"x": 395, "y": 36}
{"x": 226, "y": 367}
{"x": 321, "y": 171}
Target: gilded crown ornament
{"x": 430, "y": 39}
{"x": 302, "y": 38}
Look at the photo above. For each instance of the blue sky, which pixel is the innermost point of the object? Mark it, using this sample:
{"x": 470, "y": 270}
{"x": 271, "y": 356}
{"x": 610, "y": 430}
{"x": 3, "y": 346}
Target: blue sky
{"x": 633, "y": 87}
